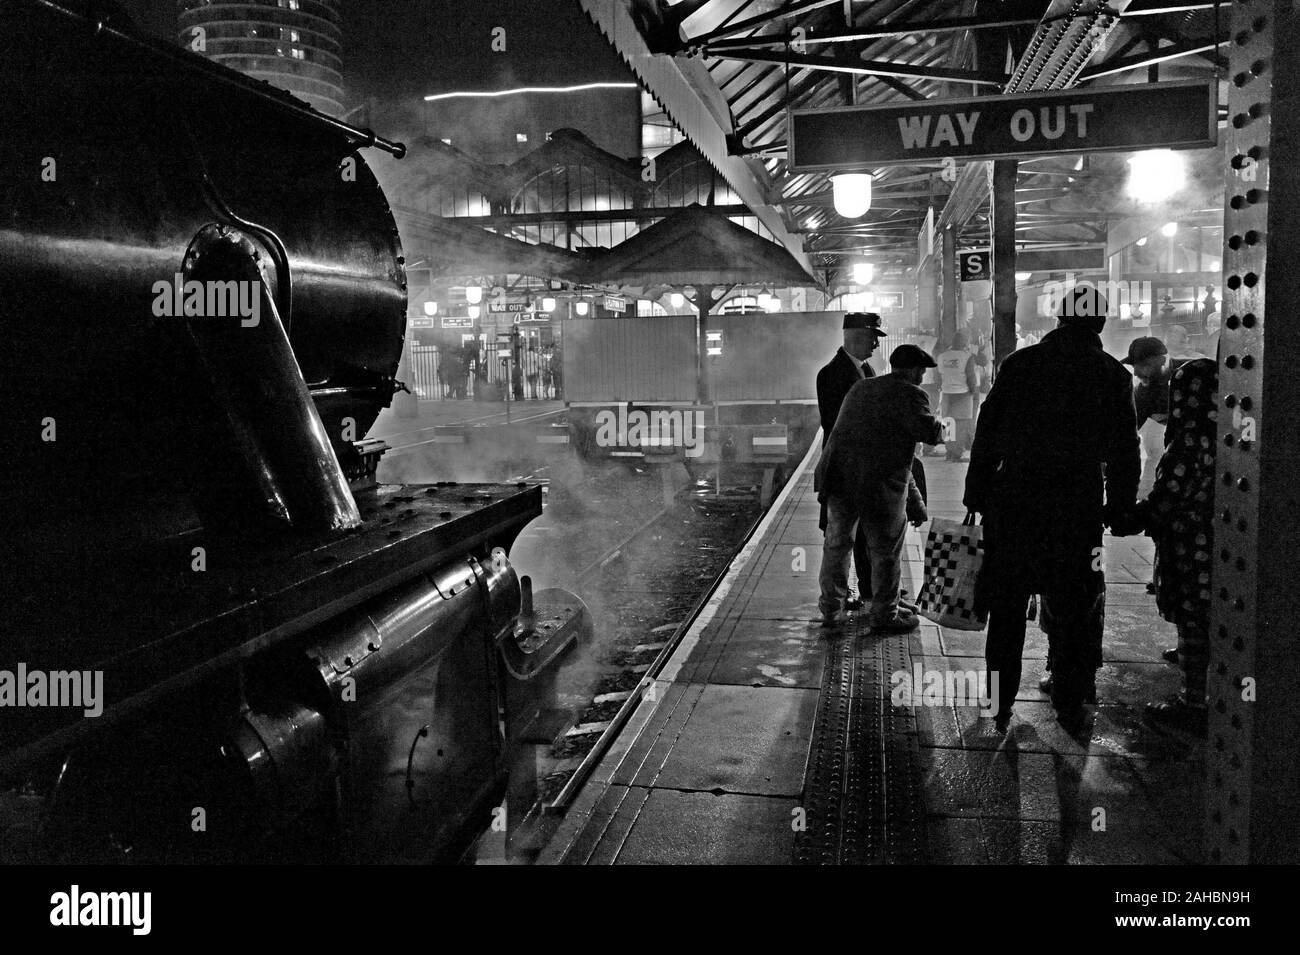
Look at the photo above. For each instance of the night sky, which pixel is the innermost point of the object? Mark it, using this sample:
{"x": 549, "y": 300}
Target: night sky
{"x": 399, "y": 50}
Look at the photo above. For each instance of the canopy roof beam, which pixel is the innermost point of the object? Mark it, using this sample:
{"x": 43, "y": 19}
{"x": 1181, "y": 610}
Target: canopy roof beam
{"x": 882, "y": 68}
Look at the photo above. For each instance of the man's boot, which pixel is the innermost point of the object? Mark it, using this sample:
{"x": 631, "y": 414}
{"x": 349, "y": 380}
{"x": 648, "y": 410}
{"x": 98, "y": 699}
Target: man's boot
{"x": 1177, "y": 712}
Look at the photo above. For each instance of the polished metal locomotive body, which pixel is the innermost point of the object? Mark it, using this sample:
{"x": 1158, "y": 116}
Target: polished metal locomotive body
{"x": 297, "y": 663}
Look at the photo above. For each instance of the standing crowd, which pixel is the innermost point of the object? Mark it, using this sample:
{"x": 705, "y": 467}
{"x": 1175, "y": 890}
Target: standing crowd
{"x": 535, "y": 373}
{"x": 1055, "y": 460}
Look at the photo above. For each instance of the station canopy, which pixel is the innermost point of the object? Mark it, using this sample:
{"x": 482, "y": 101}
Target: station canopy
{"x": 728, "y": 73}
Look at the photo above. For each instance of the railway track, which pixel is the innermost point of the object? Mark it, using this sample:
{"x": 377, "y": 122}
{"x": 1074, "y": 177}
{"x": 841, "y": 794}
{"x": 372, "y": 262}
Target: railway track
{"x": 644, "y": 568}
{"x": 524, "y": 415}
{"x": 645, "y": 660}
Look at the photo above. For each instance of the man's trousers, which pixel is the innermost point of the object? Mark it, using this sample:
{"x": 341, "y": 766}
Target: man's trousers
{"x": 1072, "y": 618}
{"x": 884, "y": 526}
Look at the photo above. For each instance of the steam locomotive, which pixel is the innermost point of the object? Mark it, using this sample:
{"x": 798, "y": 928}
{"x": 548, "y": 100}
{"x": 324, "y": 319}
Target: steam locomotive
{"x": 204, "y": 304}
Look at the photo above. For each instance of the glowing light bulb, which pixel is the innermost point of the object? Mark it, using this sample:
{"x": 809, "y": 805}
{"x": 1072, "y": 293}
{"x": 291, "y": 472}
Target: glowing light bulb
{"x": 430, "y": 307}
{"x": 1155, "y": 174}
{"x": 473, "y": 294}
{"x": 1024, "y": 276}
{"x": 851, "y": 192}
{"x": 1142, "y": 241}
{"x": 548, "y": 304}
{"x": 1169, "y": 229}
{"x": 474, "y": 311}
{"x": 582, "y": 308}
{"x": 677, "y": 299}
{"x": 863, "y": 273}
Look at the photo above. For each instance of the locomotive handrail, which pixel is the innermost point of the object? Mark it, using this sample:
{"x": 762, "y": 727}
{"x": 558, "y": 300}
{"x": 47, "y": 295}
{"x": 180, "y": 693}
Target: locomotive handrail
{"x": 214, "y": 71}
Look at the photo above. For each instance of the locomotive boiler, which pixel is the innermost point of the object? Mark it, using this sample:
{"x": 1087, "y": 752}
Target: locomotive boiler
{"x": 204, "y": 305}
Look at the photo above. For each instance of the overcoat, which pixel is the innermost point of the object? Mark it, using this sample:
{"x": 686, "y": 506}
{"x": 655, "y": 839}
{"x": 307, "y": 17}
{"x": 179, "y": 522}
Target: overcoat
{"x": 1055, "y": 455}
{"x": 868, "y": 456}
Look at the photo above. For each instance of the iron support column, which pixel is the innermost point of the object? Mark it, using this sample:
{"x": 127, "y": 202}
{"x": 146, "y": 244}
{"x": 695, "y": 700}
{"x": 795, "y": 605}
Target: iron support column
{"x": 1003, "y": 214}
{"x": 948, "y": 280}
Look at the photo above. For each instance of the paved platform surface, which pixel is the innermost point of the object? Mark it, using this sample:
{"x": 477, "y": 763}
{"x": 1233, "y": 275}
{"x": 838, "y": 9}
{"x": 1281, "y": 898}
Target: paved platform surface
{"x": 736, "y": 750}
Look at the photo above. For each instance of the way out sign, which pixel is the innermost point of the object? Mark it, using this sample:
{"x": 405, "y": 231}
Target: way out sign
{"x": 1179, "y": 115}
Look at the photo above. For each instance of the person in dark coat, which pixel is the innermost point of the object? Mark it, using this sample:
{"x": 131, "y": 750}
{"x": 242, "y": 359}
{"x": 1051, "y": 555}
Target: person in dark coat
{"x": 1179, "y": 517}
{"x": 862, "y": 334}
{"x": 864, "y": 476}
{"x": 1056, "y": 432}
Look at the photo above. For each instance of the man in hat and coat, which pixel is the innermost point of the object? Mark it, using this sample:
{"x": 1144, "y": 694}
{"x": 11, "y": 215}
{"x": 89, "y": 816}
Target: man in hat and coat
{"x": 1055, "y": 458}
{"x": 864, "y": 477}
{"x": 862, "y": 334}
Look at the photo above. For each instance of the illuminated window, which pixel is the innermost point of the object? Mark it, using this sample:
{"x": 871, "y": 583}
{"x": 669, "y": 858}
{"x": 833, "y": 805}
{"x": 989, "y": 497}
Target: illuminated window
{"x": 299, "y": 54}
{"x": 521, "y": 137}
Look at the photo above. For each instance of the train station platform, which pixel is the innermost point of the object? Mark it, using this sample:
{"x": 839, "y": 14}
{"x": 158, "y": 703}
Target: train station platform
{"x": 769, "y": 740}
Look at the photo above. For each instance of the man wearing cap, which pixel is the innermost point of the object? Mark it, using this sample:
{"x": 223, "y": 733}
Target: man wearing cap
{"x": 1055, "y": 458}
{"x": 863, "y": 478}
{"x": 1154, "y": 368}
{"x": 862, "y": 334}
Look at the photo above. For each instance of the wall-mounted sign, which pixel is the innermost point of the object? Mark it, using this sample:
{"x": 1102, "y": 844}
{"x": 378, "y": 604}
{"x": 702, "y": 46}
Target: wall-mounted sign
{"x": 1180, "y": 115}
{"x": 975, "y": 266}
{"x": 457, "y": 322}
{"x": 616, "y": 303}
{"x": 890, "y": 301}
{"x": 423, "y": 321}
{"x": 509, "y": 307}
{"x": 527, "y": 317}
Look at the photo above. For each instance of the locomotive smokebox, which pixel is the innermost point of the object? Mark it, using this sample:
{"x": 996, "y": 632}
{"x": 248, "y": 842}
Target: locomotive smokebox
{"x": 132, "y": 380}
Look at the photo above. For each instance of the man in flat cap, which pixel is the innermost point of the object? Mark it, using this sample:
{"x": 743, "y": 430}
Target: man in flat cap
{"x": 1154, "y": 368}
{"x": 1055, "y": 457}
{"x": 863, "y": 478}
{"x": 862, "y": 334}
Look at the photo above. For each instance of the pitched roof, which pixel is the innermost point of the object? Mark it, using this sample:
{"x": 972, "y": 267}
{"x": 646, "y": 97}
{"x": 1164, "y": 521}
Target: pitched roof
{"x": 697, "y": 246}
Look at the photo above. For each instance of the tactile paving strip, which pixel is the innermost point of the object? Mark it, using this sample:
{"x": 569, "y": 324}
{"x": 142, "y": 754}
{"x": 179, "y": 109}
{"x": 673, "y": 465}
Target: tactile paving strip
{"x": 863, "y": 792}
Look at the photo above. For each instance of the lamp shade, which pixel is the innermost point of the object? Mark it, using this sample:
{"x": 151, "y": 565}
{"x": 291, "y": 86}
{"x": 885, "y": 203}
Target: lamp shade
{"x": 851, "y": 192}
{"x": 473, "y": 294}
{"x": 1155, "y": 174}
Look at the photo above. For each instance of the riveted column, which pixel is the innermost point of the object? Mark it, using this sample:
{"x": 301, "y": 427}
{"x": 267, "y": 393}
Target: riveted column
{"x": 1253, "y": 776}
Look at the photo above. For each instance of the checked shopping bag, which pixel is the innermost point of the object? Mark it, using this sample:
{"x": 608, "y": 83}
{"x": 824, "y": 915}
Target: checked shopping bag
{"x": 953, "y": 554}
